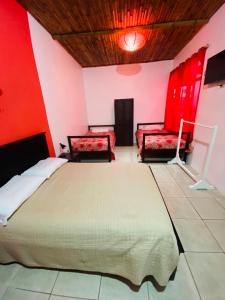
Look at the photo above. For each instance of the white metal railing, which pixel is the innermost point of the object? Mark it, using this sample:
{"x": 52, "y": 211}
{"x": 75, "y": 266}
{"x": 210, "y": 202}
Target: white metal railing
{"x": 200, "y": 183}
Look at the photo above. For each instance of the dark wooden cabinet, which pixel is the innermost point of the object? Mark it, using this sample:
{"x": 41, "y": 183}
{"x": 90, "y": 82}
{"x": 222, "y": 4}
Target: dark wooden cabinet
{"x": 124, "y": 115}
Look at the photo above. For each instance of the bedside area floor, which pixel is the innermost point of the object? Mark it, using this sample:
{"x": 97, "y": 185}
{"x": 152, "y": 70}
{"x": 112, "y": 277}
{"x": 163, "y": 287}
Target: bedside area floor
{"x": 199, "y": 218}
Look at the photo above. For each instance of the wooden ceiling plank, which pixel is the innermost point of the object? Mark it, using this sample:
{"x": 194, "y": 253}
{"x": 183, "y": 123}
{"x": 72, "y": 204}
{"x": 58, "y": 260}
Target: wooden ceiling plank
{"x": 91, "y": 28}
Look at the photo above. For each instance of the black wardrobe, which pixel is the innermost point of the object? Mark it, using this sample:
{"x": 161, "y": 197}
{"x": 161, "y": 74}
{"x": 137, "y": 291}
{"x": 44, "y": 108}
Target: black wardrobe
{"x": 124, "y": 115}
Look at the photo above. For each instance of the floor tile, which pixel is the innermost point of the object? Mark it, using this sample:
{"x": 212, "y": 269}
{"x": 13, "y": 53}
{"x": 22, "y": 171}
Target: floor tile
{"x": 180, "y": 208}
{"x": 195, "y": 236}
{"x": 158, "y": 167}
{"x": 7, "y": 272}
{"x": 161, "y": 174}
{"x": 161, "y": 181}
{"x": 169, "y": 189}
{"x": 3, "y": 288}
{"x": 159, "y": 170}
{"x": 113, "y": 289}
{"x": 17, "y": 294}
{"x": 208, "y": 208}
{"x": 127, "y": 154}
{"x": 215, "y": 193}
{"x": 179, "y": 175}
{"x": 188, "y": 192}
{"x": 80, "y": 285}
{"x": 53, "y": 297}
{"x": 217, "y": 227}
{"x": 182, "y": 287}
{"x": 38, "y": 280}
{"x": 208, "y": 271}
{"x": 221, "y": 200}
{"x": 191, "y": 169}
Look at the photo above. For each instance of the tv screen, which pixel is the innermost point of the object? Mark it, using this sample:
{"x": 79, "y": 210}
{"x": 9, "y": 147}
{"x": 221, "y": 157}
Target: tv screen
{"x": 215, "y": 70}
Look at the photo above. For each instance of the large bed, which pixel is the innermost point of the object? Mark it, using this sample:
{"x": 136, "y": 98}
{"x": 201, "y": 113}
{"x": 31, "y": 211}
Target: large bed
{"x": 94, "y": 217}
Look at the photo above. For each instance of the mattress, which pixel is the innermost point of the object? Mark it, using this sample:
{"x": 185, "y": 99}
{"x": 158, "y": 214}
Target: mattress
{"x": 107, "y": 218}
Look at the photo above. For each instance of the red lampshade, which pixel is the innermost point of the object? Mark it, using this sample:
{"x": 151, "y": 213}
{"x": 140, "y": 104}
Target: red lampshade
{"x": 132, "y": 41}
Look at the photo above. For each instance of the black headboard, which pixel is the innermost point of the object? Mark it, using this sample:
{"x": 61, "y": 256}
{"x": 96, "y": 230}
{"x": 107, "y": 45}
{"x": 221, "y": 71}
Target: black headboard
{"x": 20, "y": 155}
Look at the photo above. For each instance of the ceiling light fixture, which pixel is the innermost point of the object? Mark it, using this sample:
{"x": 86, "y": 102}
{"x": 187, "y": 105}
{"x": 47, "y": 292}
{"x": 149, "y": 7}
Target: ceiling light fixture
{"x": 132, "y": 41}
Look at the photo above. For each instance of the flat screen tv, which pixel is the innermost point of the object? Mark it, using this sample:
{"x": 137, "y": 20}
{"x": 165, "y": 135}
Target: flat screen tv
{"x": 215, "y": 70}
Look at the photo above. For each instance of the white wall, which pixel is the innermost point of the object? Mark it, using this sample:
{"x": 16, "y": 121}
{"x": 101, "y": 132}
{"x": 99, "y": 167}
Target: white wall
{"x": 211, "y": 108}
{"x": 146, "y": 83}
{"x": 62, "y": 85}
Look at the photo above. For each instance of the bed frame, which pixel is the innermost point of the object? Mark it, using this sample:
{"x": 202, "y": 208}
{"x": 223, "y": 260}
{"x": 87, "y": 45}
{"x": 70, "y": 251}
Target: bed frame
{"x": 18, "y": 156}
{"x": 91, "y": 155}
{"x": 161, "y": 155}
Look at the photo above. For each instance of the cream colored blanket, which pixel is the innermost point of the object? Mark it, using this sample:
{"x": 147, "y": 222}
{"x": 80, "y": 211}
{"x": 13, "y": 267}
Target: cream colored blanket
{"x": 107, "y": 218}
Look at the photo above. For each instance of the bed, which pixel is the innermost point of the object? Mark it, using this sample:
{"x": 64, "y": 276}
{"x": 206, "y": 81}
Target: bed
{"x": 158, "y": 144}
{"x": 91, "y": 217}
{"x": 97, "y": 143}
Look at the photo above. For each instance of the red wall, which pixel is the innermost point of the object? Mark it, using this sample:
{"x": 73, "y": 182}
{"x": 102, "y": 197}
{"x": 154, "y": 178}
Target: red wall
{"x": 22, "y": 110}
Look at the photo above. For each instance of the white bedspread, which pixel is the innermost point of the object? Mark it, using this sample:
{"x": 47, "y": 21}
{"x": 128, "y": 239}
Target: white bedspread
{"x": 107, "y": 218}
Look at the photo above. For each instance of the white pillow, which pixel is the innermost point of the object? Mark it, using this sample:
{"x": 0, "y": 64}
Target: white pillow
{"x": 15, "y": 192}
{"x": 100, "y": 129}
{"x": 45, "y": 168}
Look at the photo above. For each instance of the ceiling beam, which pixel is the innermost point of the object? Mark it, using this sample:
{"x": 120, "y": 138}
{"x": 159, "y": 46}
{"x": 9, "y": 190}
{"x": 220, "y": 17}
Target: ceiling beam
{"x": 146, "y": 26}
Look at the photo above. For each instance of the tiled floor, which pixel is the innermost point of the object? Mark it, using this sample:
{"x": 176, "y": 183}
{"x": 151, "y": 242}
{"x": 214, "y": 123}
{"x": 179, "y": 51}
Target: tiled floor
{"x": 199, "y": 217}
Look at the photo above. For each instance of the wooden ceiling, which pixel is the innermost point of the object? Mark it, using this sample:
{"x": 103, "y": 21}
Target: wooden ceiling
{"x": 90, "y": 29}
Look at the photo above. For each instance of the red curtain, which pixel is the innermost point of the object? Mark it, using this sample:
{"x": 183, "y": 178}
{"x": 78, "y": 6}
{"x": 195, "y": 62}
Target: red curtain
{"x": 183, "y": 92}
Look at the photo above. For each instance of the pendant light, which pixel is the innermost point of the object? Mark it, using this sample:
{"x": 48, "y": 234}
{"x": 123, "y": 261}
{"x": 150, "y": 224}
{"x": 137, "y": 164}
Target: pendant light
{"x": 132, "y": 41}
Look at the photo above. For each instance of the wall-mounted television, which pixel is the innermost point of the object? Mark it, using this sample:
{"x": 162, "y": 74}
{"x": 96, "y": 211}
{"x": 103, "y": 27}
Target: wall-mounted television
{"x": 215, "y": 70}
